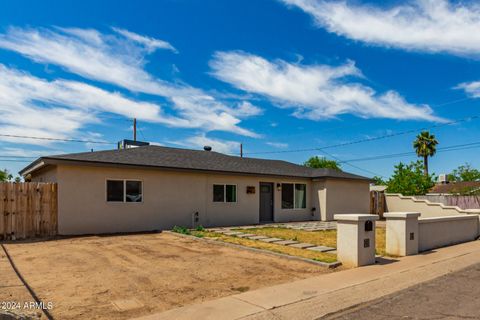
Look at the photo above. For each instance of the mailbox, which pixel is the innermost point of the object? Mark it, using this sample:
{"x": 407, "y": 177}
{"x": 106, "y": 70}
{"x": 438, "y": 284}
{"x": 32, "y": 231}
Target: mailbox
{"x": 368, "y": 225}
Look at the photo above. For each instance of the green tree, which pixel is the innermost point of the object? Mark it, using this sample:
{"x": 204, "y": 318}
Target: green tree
{"x": 410, "y": 180}
{"x": 425, "y": 146}
{"x": 5, "y": 175}
{"x": 322, "y": 162}
{"x": 464, "y": 173}
{"x": 378, "y": 181}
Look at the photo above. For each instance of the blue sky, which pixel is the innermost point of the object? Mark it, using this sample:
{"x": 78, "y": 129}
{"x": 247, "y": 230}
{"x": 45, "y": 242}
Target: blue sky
{"x": 277, "y": 76}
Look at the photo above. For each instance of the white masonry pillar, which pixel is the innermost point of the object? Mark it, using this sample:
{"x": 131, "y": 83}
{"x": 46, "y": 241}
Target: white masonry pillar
{"x": 402, "y": 233}
{"x": 356, "y": 239}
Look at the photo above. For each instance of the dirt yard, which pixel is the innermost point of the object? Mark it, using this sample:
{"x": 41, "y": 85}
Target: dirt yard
{"x": 119, "y": 277}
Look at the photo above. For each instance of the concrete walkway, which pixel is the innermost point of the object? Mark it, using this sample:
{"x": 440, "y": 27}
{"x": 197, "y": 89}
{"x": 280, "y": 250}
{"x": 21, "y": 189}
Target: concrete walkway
{"x": 318, "y": 296}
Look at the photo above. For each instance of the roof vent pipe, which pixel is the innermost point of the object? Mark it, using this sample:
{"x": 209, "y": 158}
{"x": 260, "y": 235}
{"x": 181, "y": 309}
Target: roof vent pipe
{"x": 207, "y": 148}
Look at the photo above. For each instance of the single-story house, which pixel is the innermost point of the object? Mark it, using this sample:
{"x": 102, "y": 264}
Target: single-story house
{"x": 153, "y": 188}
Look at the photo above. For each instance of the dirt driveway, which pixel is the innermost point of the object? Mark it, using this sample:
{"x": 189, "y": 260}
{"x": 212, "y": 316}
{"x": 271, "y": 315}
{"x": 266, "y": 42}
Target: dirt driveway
{"x": 119, "y": 277}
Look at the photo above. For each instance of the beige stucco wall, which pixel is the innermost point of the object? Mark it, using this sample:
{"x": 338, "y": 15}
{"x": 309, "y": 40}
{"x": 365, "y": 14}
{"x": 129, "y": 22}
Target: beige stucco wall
{"x": 48, "y": 174}
{"x": 169, "y": 198}
{"x": 398, "y": 203}
{"x": 319, "y": 200}
{"x": 172, "y": 198}
{"x": 445, "y": 231}
{"x": 346, "y": 196}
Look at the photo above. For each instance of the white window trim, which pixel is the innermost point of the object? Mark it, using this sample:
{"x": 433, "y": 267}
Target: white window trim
{"x": 225, "y": 192}
{"x": 294, "y": 198}
{"x": 124, "y": 190}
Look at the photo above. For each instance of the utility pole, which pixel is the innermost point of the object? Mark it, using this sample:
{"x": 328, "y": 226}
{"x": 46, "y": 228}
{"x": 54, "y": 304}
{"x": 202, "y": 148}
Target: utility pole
{"x": 241, "y": 150}
{"x": 134, "y": 129}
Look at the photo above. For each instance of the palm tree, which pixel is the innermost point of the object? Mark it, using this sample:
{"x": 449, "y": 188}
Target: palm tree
{"x": 426, "y": 146}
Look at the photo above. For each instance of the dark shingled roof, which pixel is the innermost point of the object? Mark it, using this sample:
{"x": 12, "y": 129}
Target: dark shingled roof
{"x": 175, "y": 158}
{"x": 456, "y": 187}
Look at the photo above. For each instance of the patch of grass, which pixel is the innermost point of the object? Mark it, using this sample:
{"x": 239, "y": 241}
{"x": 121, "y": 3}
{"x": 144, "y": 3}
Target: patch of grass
{"x": 308, "y": 254}
{"x": 326, "y": 238}
{"x": 380, "y": 241}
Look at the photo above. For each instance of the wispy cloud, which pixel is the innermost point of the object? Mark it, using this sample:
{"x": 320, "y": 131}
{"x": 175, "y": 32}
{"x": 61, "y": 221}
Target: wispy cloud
{"x": 472, "y": 89}
{"x": 279, "y": 145}
{"x": 59, "y": 108}
{"x": 313, "y": 91}
{"x": 201, "y": 140}
{"x": 151, "y": 44}
{"x": 421, "y": 25}
{"x": 119, "y": 58}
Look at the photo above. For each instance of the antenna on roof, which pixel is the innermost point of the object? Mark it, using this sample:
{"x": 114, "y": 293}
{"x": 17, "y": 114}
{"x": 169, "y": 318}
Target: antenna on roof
{"x": 241, "y": 150}
{"x": 134, "y": 129}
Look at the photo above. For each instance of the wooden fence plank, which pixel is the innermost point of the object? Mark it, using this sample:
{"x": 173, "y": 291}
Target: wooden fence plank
{"x": 28, "y": 210}
{"x": 3, "y": 199}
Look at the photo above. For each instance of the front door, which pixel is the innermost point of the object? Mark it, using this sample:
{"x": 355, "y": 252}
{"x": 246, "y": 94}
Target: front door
{"x": 266, "y": 202}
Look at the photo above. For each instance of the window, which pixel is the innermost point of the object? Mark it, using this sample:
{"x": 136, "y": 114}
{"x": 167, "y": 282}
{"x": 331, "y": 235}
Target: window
{"x": 287, "y": 196}
{"x": 294, "y": 196}
{"x": 300, "y": 196}
{"x": 115, "y": 190}
{"x": 133, "y": 191}
{"x": 218, "y": 193}
{"x": 124, "y": 191}
{"x": 224, "y": 193}
{"x": 231, "y": 193}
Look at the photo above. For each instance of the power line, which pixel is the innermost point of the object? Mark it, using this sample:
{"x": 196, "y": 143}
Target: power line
{"x": 12, "y": 156}
{"x": 475, "y": 117}
{"x": 55, "y": 139}
{"x": 465, "y": 146}
{"x": 351, "y": 165}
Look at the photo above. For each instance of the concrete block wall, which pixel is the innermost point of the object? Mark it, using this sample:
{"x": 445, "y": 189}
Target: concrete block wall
{"x": 398, "y": 203}
{"x": 445, "y": 231}
{"x": 407, "y": 234}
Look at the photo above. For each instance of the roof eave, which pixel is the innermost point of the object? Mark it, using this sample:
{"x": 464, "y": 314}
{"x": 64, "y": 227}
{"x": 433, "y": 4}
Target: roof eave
{"x": 34, "y": 166}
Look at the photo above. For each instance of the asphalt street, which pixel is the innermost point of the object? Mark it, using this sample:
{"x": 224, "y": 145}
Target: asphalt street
{"x": 453, "y": 296}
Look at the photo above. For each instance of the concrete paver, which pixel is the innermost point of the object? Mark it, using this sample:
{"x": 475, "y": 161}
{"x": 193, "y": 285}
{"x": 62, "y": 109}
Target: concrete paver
{"x": 286, "y": 242}
{"x": 232, "y": 233}
{"x": 321, "y": 248}
{"x": 302, "y": 245}
{"x": 245, "y": 235}
{"x": 257, "y": 237}
{"x": 318, "y": 296}
{"x": 270, "y": 240}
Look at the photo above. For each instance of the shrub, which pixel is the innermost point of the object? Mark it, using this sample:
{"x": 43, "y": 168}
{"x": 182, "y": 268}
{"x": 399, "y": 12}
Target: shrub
{"x": 182, "y": 230}
{"x": 200, "y": 228}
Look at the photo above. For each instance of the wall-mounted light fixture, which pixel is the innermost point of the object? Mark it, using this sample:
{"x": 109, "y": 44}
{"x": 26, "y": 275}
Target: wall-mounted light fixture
{"x": 279, "y": 186}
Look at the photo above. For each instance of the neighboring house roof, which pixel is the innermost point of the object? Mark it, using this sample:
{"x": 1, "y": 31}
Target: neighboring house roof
{"x": 455, "y": 187}
{"x": 175, "y": 158}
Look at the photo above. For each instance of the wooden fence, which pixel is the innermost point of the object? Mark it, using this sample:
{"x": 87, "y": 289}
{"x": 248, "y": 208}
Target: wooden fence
{"x": 377, "y": 203}
{"x": 28, "y": 210}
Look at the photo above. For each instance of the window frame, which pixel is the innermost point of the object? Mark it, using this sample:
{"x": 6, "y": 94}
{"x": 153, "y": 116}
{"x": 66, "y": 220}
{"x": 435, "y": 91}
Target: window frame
{"x": 225, "y": 192}
{"x": 294, "y": 197}
{"x": 124, "y": 190}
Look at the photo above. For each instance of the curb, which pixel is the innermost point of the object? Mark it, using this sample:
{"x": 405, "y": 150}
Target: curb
{"x": 331, "y": 265}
